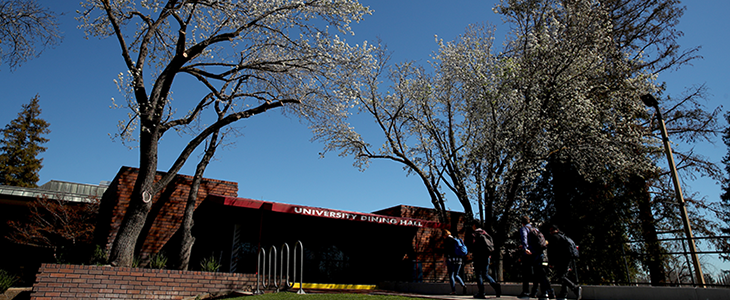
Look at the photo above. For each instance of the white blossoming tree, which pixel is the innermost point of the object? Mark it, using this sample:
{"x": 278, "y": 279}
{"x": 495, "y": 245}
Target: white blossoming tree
{"x": 272, "y": 53}
{"x": 585, "y": 64}
{"x": 486, "y": 127}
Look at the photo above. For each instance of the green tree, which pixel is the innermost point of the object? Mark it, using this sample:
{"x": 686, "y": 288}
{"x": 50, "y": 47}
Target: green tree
{"x": 274, "y": 54}
{"x": 21, "y": 144}
{"x": 724, "y": 210}
{"x": 23, "y": 25}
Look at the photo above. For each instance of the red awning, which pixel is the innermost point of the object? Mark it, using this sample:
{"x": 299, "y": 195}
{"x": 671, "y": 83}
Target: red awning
{"x": 321, "y": 212}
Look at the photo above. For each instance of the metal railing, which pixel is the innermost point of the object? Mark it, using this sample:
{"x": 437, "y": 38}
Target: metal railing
{"x": 267, "y": 276}
{"x": 681, "y": 269}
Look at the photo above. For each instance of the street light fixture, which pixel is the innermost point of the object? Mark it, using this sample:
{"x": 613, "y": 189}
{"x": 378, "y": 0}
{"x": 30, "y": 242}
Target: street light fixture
{"x": 649, "y": 100}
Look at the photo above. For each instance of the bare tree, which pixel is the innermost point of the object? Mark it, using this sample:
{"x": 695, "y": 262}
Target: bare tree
{"x": 396, "y": 115}
{"x": 26, "y": 28}
{"x": 55, "y": 222}
{"x": 281, "y": 53}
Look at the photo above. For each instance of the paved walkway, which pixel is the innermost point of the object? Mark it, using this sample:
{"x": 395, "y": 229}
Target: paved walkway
{"x": 449, "y": 297}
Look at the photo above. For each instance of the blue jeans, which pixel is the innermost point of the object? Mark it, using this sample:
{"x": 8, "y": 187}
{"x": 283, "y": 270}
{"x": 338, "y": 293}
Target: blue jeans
{"x": 453, "y": 268}
{"x": 534, "y": 271}
{"x": 481, "y": 271}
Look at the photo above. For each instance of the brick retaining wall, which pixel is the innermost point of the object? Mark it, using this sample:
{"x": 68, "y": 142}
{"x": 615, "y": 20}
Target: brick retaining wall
{"x": 56, "y": 281}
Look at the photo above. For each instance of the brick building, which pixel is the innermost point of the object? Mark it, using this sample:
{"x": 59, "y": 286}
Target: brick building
{"x": 400, "y": 243}
{"x": 21, "y": 256}
{"x": 165, "y": 215}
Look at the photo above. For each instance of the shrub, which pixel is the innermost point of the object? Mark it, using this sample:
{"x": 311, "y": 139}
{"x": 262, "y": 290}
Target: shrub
{"x": 210, "y": 264}
{"x": 6, "y": 281}
{"x": 158, "y": 261}
{"x": 136, "y": 261}
{"x": 99, "y": 257}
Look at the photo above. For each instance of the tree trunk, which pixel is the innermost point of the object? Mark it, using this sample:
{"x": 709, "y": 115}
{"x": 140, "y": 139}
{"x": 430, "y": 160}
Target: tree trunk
{"x": 436, "y": 199}
{"x": 187, "y": 240}
{"x": 122, "y": 252}
{"x": 648, "y": 229}
{"x": 123, "y": 248}
{"x": 463, "y": 197}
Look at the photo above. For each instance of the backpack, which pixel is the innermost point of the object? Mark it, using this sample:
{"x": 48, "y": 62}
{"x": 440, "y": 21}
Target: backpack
{"x": 459, "y": 247}
{"x": 572, "y": 247}
{"x": 484, "y": 242}
{"x": 536, "y": 240}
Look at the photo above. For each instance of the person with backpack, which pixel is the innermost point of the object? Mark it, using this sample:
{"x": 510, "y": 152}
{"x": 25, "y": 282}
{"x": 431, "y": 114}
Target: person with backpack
{"x": 533, "y": 245}
{"x": 455, "y": 251}
{"x": 562, "y": 253}
{"x": 482, "y": 247}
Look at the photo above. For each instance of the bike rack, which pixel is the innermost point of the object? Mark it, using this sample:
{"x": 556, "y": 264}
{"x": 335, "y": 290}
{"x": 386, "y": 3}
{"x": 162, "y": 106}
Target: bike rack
{"x": 260, "y": 270}
{"x": 301, "y": 266}
{"x": 272, "y": 270}
{"x": 284, "y": 246}
{"x": 267, "y": 275}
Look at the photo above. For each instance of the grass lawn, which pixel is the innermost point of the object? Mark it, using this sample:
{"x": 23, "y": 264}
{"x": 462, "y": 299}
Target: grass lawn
{"x": 295, "y": 296}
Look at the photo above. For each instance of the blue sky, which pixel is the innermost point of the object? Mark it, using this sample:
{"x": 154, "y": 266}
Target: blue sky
{"x": 274, "y": 159}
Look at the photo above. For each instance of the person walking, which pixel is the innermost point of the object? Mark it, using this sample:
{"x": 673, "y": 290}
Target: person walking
{"x": 455, "y": 251}
{"x": 482, "y": 249}
{"x": 533, "y": 245}
{"x": 562, "y": 253}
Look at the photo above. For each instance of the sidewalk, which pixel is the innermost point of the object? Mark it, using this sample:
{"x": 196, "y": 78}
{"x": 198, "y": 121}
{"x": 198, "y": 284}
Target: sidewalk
{"x": 446, "y": 297}
{"x": 590, "y": 292}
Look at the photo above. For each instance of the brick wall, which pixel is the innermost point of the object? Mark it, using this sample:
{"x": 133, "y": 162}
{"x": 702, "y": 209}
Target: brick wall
{"x": 103, "y": 282}
{"x": 428, "y": 241}
{"x": 166, "y": 213}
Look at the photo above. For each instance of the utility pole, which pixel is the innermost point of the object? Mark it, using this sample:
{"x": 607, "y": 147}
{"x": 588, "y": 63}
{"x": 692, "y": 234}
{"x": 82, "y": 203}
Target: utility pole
{"x": 649, "y": 100}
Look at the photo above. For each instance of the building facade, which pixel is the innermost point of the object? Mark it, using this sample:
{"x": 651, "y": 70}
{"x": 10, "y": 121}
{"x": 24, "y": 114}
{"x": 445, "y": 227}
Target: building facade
{"x": 401, "y": 243}
{"x": 27, "y": 212}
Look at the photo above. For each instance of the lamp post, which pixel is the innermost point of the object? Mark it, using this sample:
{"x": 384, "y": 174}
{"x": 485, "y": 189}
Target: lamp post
{"x": 649, "y": 100}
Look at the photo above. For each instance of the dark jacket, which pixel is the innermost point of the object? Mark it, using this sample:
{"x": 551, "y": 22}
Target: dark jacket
{"x": 479, "y": 243}
{"x": 559, "y": 248}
